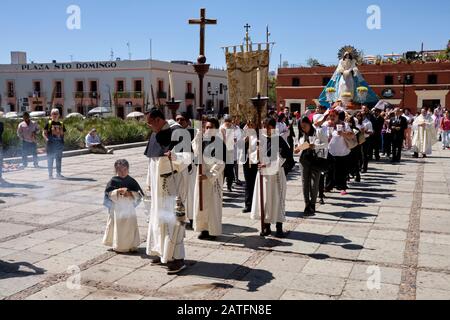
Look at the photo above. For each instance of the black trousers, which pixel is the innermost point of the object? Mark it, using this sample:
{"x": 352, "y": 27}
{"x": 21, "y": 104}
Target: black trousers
{"x": 375, "y": 146}
{"x": 250, "y": 173}
{"x": 366, "y": 156}
{"x": 356, "y": 158}
{"x": 387, "y": 138}
{"x": 229, "y": 174}
{"x": 311, "y": 181}
{"x": 337, "y": 173}
{"x": 397, "y": 145}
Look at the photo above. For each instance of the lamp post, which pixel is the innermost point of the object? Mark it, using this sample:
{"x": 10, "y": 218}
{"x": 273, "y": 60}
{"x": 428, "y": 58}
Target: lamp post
{"x": 213, "y": 94}
{"x": 404, "y": 81}
{"x": 225, "y": 96}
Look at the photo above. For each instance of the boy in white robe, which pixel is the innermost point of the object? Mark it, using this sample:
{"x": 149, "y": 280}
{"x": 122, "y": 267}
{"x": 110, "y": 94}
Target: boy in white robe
{"x": 209, "y": 220}
{"x": 122, "y": 195}
{"x": 274, "y": 180}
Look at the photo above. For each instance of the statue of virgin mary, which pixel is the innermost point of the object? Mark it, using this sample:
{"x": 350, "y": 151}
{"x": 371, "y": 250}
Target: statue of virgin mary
{"x": 347, "y": 83}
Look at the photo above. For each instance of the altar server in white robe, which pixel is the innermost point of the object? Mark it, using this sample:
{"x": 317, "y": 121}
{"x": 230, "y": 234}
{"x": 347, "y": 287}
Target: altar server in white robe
{"x": 122, "y": 195}
{"x": 166, "y": 232}
{"x": 424, "y": 134}
{"x": 273, "y": 153}
{"x": 212, "y": 152}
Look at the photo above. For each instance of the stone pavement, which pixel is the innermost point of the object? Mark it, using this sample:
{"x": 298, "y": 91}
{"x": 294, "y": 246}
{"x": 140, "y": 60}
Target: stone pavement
{"x": 389, "y": 239}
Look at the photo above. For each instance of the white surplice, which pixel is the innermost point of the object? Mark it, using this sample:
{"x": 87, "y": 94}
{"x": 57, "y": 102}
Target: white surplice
{"x": 274, "y": 182}
{"x": 191, "y": 178}
{"x": 210, "y": 218}
{"x": 164, "y": 230}
{"x": 122, "y": 232}
{"x": 424, "y": 137}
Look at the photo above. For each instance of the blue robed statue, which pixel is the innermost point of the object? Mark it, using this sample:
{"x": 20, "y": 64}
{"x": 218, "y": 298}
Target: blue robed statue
{"x": 348, "y": 85}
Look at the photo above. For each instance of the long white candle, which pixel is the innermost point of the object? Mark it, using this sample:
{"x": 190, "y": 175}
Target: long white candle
{"x": 258, "y": 81}
{"x": 172, "y": 89}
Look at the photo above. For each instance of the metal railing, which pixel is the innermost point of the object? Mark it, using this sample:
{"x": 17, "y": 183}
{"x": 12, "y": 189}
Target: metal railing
{"x": 129, "y": 95}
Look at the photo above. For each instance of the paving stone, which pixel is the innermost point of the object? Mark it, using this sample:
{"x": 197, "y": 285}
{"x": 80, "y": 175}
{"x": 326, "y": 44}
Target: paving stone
{"x": 318, "y": 284}
{"x": 144, "y": 279}
{"x": 388, "y": 275}
{"x": 105, "y": 273}
{"x": 61, "y": 291}
{"x": 433, "y": 280}
{"x": 295, "y": 295}
{"x": 52, "y": 247}
{"x": 328, "y": 268}
{"x": 112, "y": 295}
{"x": 358, "y": 290}
{"x": 432, "y": 294}
{"x": 10, "y": 229}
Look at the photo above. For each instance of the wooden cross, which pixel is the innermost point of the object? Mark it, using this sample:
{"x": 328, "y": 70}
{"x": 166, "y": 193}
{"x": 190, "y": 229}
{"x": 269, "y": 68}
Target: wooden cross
{"x": 202, "y": 22}
{"x": 247, "y": 38}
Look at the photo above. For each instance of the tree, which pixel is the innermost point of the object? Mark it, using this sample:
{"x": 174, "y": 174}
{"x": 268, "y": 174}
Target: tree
{"x": 272, "y": 91}
{"x": 312, "y": 62}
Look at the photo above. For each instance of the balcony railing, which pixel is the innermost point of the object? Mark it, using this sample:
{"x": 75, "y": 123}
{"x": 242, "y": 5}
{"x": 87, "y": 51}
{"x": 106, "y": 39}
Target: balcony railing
{"x": 162, "y": 95}
{"x": 87, "y": 95}
{"x": 129, "y": 95}
{"x": 190, "y": 96}
{"x": 36, "y": 94}
{"x": 10, "y": 94}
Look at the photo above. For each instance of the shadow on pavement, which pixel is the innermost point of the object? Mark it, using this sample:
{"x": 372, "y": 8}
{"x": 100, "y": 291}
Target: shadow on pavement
{"x": 229, "y": 272}
{"x": 12, "y": 270}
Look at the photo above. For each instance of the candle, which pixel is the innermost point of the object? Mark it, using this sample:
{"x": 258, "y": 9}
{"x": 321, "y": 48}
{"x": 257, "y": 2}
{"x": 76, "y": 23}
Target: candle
{"x": 172, "y": 89}
{"x": 258, "y": 81}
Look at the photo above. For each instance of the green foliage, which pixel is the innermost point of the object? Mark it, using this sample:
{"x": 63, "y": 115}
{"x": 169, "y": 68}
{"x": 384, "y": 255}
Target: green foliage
{"x": 113, "y": 131}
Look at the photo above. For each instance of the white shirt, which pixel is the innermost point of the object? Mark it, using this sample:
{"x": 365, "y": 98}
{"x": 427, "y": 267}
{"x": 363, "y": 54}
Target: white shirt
{"x": 337, "y": 145}
{"x": 368, "y": 127}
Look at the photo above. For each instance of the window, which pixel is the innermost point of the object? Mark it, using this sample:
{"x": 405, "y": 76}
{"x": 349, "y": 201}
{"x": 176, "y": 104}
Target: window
{"x": 296, "y": 82}
{"x": 189, "y": 87}
{"x": 80, "y": 86}
{"x": 120, "y": 86}
{"x": 432, "y": 79}
{"x": 37, "y": 87}
{"x": 160, "y": 85}
{"x": 389, "y": 80}
{"x": 58, "y": 89}
{"x": 93, "y": 86}
{"x": 138, "y": 85}
{"x": 221, "y": 88}
{"x": 409, "y": 79}
{"x": 10, "y": 89}
{"x": 326, "y": 81}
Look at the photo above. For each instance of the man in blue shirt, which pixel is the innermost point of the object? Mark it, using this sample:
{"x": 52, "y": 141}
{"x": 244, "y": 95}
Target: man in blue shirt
{"x": 94, "y": 143}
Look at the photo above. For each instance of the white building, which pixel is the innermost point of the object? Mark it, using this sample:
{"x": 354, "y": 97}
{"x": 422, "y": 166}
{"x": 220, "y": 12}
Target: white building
{"x": 125, "y": 86}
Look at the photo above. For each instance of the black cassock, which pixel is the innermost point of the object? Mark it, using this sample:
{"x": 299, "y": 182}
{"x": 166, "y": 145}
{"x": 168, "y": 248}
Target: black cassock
{"x": 119, "y": 183}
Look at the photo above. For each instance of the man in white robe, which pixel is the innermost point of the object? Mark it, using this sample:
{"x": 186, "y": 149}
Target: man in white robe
{"x": 274, "y": 180}
{"x": 212, "y": 152}
{"x": 167, "y": 229}
{"x": 424, "y": 134}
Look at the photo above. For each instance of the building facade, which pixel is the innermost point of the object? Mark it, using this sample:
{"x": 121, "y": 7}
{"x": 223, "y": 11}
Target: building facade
{"x": 410, "y": 86}
{"x": 124, "y": 86}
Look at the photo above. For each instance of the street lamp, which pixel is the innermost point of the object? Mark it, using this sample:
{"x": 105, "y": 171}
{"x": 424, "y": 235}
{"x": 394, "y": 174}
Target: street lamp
{"x": 404, "y": 80}
{"x": 225, "y": 97}
{"x": 213, "y": 94}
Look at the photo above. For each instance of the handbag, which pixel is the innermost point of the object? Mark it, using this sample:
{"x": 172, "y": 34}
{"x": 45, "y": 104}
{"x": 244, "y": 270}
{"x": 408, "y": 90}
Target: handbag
{"x": 351, "y": 142}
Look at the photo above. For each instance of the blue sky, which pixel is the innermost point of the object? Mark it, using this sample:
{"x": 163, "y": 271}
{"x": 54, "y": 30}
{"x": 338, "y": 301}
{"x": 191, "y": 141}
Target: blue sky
{"x": 301, "y": 29}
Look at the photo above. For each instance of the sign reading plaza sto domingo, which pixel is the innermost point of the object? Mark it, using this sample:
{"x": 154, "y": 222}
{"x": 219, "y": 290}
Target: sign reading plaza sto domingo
{"x": 406, "y": 85}
{"x": 125, "y": 86}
